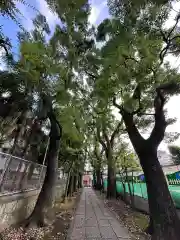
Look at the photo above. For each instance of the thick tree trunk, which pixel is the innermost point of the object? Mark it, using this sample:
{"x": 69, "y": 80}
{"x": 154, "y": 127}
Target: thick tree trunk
{"x": 111, "y": 188}
{"x": 98, "y": 179}
{"x": 162, "y": 209}
{"x": 165, "y": 219}
{"x": 102, "y": 182}
{"x": 80, "y": 180}
{"x": 69, "y": 191}
{"x": 75, "y": 184}
{"x": 46, "y": 197}
{"x": 72, "y": 186}
{"x": 94, "y": 180}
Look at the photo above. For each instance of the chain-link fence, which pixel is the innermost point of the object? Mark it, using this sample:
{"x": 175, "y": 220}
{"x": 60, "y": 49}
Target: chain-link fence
{"x": 17, "y": 174}
{"x": 61, "y": 177}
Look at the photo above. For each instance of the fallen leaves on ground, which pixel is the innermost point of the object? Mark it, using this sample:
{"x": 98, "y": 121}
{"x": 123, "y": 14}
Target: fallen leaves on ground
{"x": 57, "y": 231}
{"x": 136, "y": 222}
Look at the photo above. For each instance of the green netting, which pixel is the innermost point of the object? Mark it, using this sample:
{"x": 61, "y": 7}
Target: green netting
{"x": 141, "y": 190}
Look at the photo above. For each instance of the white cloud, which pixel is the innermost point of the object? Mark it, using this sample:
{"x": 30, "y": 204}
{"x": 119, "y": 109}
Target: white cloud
{"x": 25, "y": 18}
{"x": 28, "y": 14}
{"x": 175, "y": 8}
{"x": 94, "y": 15}
{"x": 96, "y": 10}
{"x": 51, "y": 17}
{"x": 2, "y": 63}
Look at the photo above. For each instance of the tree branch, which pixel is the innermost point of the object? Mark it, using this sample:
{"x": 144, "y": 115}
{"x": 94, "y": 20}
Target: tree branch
{"x": 168, "y": 40}
{"x": 90, "y": 74}
{"x": 132, "y": 130}
{"x": 175, "y": 25}
{"x": 115, "y": 133}
{"x": 158, "y": 131}
{"x": 100, "y": 140}
{"x": 116, "y": 105}
{"x": 106, "y": 138}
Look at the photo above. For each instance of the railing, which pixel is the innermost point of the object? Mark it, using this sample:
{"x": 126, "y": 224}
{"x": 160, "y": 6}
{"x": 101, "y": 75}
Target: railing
{"x": 17, "y": 174}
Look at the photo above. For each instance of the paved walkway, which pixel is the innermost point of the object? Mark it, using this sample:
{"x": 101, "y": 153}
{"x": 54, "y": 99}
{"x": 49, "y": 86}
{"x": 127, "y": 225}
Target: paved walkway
{"x": 93, "y": 220}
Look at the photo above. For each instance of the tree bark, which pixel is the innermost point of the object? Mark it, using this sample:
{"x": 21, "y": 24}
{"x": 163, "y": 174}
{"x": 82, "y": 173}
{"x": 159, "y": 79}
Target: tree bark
{"x": 124, "y": 189}
{"x": 102, "y": 182}
{"x": 111, "y": 188}
{"x": 80, "y": 180}
{"x": 46, "y": 197}
{"x": 69, "y": 191}
{"x": 75, "y": 184}
{"x": 130, "y": 192}
{"x": 150, "y": 227}
{"x": 162, "y": 209}
{"x": 94, "y": 179}
{"x": 98, "y": 179}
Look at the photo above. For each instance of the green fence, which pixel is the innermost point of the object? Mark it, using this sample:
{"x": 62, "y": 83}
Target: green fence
{"x": 141, "y": 190}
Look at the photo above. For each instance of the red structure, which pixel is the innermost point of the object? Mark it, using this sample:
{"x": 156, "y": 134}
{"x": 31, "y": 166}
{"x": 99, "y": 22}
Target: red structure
{"x": 87, "y": 182}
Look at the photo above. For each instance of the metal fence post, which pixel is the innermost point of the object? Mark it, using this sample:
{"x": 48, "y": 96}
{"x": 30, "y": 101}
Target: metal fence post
{"x": 3, "y": 175}
{"x": 47, "y": 146}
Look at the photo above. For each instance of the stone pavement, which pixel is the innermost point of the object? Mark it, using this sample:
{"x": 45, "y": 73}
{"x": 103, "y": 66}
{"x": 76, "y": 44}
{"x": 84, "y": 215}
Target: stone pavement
{"x": 93, "y": 220}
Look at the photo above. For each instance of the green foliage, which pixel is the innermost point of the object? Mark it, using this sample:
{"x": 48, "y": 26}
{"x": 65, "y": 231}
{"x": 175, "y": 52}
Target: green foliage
{"x": 126, "y": 160}
{"x": 130, "y": 57}
{"x": 175, "y": 153}
{"x": 81, "y": 80}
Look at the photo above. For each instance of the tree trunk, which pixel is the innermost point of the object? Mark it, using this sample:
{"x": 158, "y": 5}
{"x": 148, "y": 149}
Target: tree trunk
{"x": 80, "y": 180}
{"x": 94, "y": 180}
{"x": 162, "y": 209}
{"x": 111, "y": 188}
{"x": 124, "y": 189}
{"x": 69, "y": 186}
{"x": 67, "y": 183}
{"x": 29, "y": 138}
{"x": 21, "y": 125}
{"x": 98, "y": 179}
{"x": 72, "y": 186}
{"x": 102, "y": 182}
{"x": 75, "y": 184}
{"x": 46, "y": 197}
{"x": 18, "y": 130}
{"x": 130, "y": 192}
{"x": 133, "y": 185}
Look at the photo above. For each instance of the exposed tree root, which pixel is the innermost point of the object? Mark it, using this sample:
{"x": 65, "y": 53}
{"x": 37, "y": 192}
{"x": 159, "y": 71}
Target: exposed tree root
{"x": 149, "y": 229}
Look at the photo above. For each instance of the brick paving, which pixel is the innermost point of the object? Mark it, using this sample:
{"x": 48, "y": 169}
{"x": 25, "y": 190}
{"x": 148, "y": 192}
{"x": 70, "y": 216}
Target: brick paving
{"x": 93, "y": 220}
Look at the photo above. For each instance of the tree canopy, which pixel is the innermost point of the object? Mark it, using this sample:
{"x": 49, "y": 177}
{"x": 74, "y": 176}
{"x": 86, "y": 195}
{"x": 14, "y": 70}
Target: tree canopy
{"x": 175, "y": 153}
{"x": 63, "y": 90}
